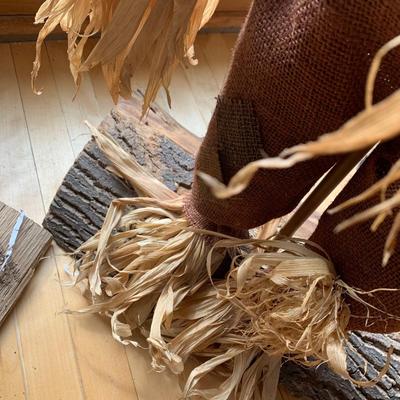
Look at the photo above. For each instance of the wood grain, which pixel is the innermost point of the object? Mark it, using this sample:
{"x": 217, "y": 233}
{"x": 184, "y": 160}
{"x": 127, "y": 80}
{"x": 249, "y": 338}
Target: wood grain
{"x": 48, "y": 355}
{"x": 19, "y": 7}
{"x": 226, "y": 21}
{"x": 32, "y": 243}
{"x": 19, "y": 188}
{"x": 13, "y": 7}
{"x": 17, "y": 19}
{"x": 20, "y": 28}
{"x": 234, "y": 5}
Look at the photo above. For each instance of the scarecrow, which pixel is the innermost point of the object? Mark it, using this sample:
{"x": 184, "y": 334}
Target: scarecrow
{"x": 198, "y": 276}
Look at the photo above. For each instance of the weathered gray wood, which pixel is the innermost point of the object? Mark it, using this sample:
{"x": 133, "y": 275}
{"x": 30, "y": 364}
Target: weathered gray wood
{"x": 32, "y": 242}
{"x": 167, "y": 150}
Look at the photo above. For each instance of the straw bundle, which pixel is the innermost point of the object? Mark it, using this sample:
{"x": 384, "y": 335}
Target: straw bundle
{"x": 152, "y": 273}
{"x": 128, "y": 29}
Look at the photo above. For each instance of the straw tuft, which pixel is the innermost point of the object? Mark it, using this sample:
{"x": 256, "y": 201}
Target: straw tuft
{"x": 153, "y": 275}
{"x": 127, "y": 28}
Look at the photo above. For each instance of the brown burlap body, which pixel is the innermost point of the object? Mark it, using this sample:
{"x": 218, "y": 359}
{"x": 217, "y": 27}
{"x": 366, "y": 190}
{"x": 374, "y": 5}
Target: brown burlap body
{"x": 299, "y": 70}
{"x": 357, "y": 251}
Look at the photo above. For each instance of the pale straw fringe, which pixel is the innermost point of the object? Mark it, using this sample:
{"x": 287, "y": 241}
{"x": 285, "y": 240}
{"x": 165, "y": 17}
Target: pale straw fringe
{"x": 152, "y": 274}
{"x": 379, "y": 122}
{"x": 128, "y": 29}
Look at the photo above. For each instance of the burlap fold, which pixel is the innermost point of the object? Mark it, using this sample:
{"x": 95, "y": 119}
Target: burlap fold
{"x": 298, "y": 71}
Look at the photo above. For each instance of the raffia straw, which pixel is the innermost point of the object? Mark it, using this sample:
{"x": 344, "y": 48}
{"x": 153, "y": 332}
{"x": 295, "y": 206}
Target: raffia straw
{"x": 294, "y": 303}
{"x": 127, "y": 28}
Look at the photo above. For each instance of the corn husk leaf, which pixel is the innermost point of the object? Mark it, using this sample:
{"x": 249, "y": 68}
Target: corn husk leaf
{"x": 152, "y": 274}
{"x": 128, "y": 30}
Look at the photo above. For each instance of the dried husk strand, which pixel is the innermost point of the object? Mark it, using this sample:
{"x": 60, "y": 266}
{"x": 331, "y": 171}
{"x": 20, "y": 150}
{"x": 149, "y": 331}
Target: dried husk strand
{"x": 151, "y": 273}
{"x": 128, "y": 29}
{"x": 154, "y": 282}
{"x": 143, "y": 261}
{"x": 291, "y": 305}
{"x": 388, "y": 206}
{"x": 292, "y": 302}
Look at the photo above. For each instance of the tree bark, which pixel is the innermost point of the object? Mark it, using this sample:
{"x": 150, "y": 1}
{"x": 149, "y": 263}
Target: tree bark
{"x": 80, "y": 204}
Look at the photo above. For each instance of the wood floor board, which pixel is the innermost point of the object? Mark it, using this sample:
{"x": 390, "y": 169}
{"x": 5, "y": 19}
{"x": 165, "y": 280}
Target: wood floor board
{"x": 44, "y": 353}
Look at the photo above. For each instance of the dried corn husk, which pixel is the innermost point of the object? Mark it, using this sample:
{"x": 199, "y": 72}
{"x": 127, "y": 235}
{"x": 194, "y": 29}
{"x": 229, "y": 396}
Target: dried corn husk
{"x": 292, "y": 303}
{"x": 151, "y": 273}
{"x": 128, "y": 29}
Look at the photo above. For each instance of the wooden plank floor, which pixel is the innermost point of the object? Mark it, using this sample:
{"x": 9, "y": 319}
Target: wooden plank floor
{"x": 44, "y": 353}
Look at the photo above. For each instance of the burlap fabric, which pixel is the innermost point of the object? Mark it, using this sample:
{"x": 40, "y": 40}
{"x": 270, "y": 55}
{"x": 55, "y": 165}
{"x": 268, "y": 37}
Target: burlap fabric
{"x": 299, "y": 70}
{"x": 357, "y": 252}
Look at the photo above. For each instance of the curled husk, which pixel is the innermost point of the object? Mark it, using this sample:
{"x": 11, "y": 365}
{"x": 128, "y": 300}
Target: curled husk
{"x": 153, "y": 273}
{"x": 128, "y": 29}
{"x": 388, "y": 206}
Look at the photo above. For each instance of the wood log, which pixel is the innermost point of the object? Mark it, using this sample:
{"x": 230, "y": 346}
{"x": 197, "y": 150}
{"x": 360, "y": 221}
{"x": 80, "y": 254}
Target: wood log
{"x": 167, "y": 150}
{"x": 80, "y": 205}
{"x": 366, "y": 356}
{"x": 31, "y": 244}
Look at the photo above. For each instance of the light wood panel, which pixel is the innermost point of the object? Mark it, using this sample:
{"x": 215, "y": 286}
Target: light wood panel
{"x": 45, "y": 354}
{"x": 217, "y": 54}
{"x": 19, "y": 7}
{"x": 46, "y": 342}
{"x": 234, "y": 5}
{"x": 15, "y": 178}
{"x": 76, "y": 106}
{"x": 94, "y": 346}
{"x": 203, "y": 84}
